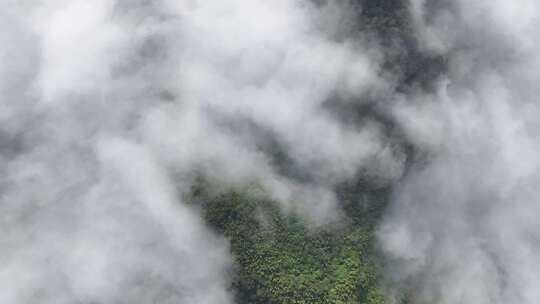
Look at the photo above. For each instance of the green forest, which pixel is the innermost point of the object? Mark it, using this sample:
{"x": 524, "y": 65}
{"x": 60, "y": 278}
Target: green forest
{"x": 281, "y": 258}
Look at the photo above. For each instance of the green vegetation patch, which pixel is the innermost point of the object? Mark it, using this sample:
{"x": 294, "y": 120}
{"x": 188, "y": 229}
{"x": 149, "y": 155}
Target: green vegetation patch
{"x": 279, "y": 260}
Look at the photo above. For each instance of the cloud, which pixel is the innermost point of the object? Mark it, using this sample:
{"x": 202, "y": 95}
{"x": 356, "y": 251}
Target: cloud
{"x": 462, "y": 228}
{"x": 108, "y": 109}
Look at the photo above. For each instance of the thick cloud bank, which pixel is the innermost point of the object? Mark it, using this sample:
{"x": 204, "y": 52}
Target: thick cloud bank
{"x": 89, "y": 212}
{"x": 464, "y": 226}
{"x": 109, "y": 108}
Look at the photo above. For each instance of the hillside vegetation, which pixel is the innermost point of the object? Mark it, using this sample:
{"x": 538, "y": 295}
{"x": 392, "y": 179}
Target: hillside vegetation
{"x": 280, "y": 259}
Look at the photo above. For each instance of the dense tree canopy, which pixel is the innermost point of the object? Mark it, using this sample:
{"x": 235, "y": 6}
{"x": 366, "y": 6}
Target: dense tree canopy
{"x": 279, "y": 259}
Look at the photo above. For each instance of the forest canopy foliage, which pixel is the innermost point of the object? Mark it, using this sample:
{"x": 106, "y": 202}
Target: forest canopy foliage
{"x": 279, "y": 258}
